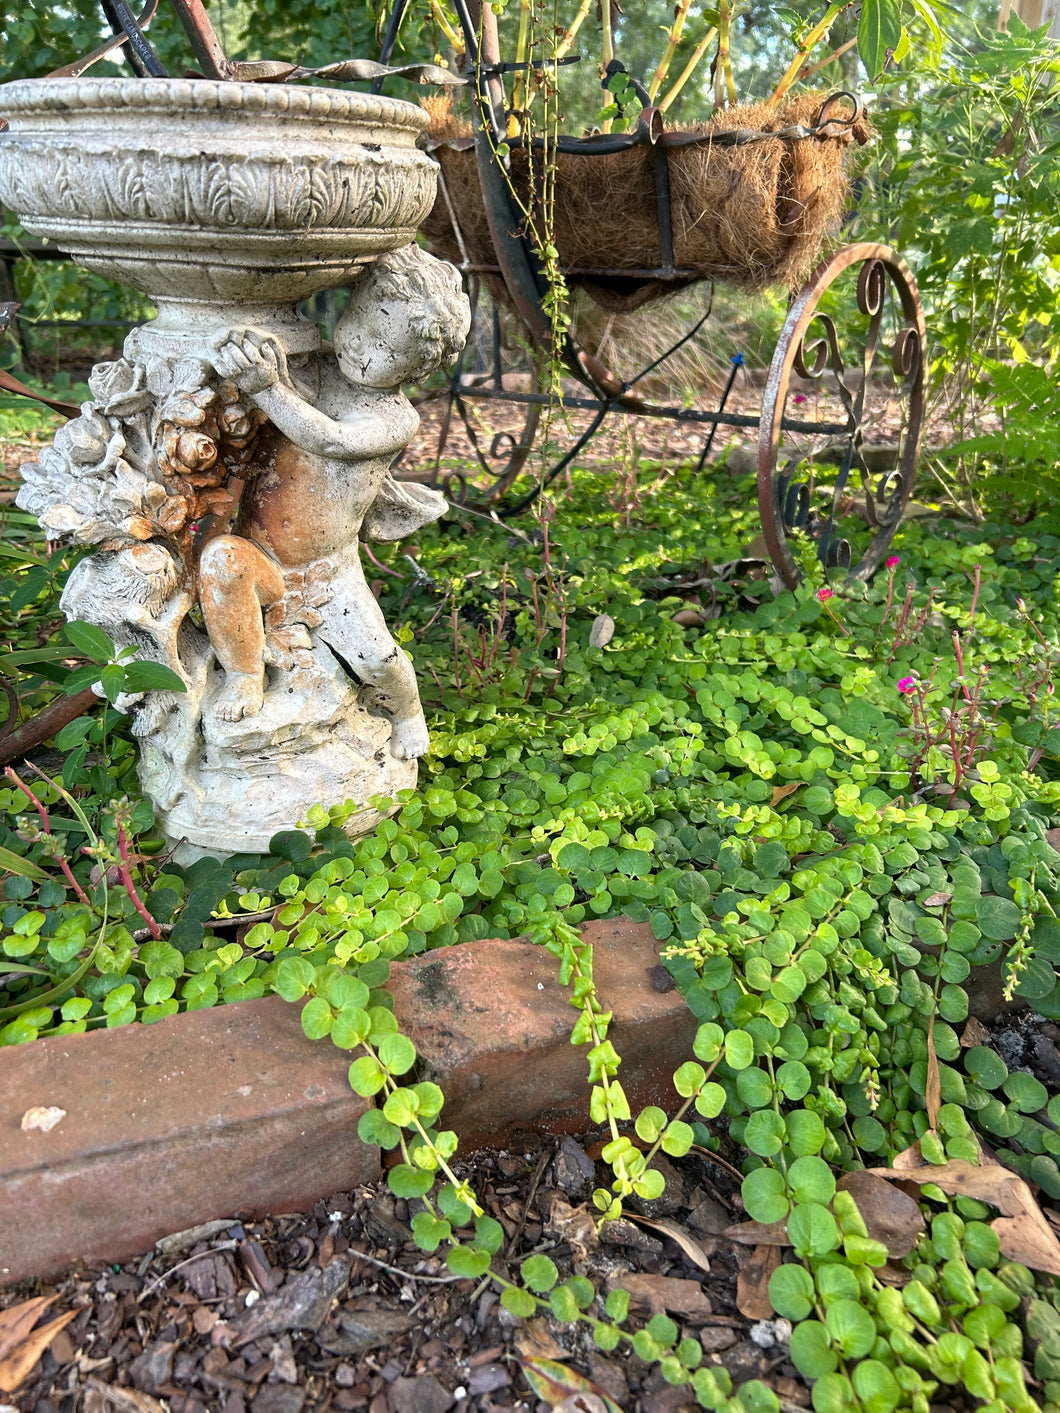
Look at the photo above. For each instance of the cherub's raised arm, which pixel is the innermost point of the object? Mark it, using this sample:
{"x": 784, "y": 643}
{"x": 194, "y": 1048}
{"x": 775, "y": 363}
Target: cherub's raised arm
{"x": 358, "y": 439}
{"x": 256, "y": 364}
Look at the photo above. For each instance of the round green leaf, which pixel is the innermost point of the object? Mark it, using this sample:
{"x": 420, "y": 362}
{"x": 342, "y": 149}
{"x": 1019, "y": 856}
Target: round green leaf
{"x": 754, "y": 1087}
{"x": 812, "y": 1230}
{"x": 851, "y": 1327}
{"x": 985, "y": 1066}
{"x": 316, "y": 1018}
{"x": 689, "y": 1078}
{"x": 764, "y": 1196}
{"x": 518, "y": 1303}
{"x": 406, "y": 1181}
{"x": 739, "y": 1049}
{"x": 467, "y": 1263}
{"x": 793, "y": 1079}
{"x": 1027, "y": 1093}
{"x": 540, "y": 1274}
{"x": 765, "y": 1133}
{"x": 710, "y": 1100}
{"x": 397, "y": 1053}
{"x": 810, "y": 1180}
{"x": 997, "y": 918}
{"x": 806, "y": 1132}
{"x": 350, "y": 1028}
{"x": 811, "y": 1350}
{"x": 791, "y": 1292}
{"x": 876, "y": 1386}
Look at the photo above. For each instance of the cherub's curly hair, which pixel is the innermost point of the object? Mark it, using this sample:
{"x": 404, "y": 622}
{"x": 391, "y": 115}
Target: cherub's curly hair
{"x": 438, "y": 307}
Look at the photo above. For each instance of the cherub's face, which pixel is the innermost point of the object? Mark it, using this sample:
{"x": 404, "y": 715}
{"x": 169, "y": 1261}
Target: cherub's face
{"x": 379, "y": 348}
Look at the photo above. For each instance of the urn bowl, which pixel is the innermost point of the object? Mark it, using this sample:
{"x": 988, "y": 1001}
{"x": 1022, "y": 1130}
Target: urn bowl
{"x": 206, "y": 191}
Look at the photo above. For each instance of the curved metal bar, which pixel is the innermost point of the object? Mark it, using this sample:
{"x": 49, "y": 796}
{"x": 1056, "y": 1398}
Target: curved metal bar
{"x": 397, "y": 14}
{"x": 118, "y": 41}
{"x": 881, "y": 269}
{"x": 121, "y": 18}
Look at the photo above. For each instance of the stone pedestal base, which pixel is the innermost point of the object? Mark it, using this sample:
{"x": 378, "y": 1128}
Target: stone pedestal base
{"x": 312, "y": 742}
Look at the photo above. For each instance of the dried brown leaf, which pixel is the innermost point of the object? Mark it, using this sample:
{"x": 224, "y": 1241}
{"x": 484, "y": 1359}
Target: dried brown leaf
{"x": 16, "y": 1322}
{"x": 781, "y": 792}
{"x": 677, "y": 1234}
{"x": 574, "y": 1225}
{"x": 889, "y": 1214}
{"x": 557, "y": 1385}
{"x": 937, "y": 900}
{"x": 759, "y": 1234}
{"x": 533, "y": 1340}
{"x": 1022, "y": 1230}
{"x": 908, "y": 1158}
{"x": 658, "y": 1293}
{"x": 974, "y": 1033}
{"x": 109, "y": 1398}
{"x": 752, "y": 1284}
{"x": 933, "y": 1091}
{"x": 21, "y": 1361}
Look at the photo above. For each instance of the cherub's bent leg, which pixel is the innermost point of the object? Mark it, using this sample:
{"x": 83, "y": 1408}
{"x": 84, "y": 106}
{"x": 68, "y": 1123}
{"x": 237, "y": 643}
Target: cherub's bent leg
{"x": 237, "y": 580}
{"x": 354, "y": 626}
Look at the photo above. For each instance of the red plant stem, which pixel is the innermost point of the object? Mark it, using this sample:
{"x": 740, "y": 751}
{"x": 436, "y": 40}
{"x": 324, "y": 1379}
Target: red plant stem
{"x": 903, "y": 619}
{"x": 68, "y": 873}
{"x": 918, "y": 625}
{"x": 385, "y": 568}
{"x": 499, "y": 633}
{"x": 975, "y": 596}
{"x": 841, "y": 626}
{"x": 130, "y": 887}
{"x": 960, "y": 664}
{"x": 456, "y": 652}
{"x": 887, "y": 605}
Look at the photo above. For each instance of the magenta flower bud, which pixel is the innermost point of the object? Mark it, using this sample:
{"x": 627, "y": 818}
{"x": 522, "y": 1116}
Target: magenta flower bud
{"x": 824, "y": 594}
{"x": 907, "y": 685}
{"x": 893, "y": 562}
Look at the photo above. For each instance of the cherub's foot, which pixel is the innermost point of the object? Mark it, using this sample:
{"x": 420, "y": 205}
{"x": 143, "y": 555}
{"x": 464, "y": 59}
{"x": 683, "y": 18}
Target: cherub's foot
{"x": 243, "y": 694}
{"x": 410, "y": 738}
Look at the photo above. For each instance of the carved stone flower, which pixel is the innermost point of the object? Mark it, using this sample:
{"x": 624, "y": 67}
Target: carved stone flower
{"x": 84, "y": 440}
{"x": 120, "y": 388}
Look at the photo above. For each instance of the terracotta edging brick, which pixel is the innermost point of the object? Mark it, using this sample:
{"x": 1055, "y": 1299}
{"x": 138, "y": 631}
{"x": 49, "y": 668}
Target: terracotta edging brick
{"x": 233, "y": 1112}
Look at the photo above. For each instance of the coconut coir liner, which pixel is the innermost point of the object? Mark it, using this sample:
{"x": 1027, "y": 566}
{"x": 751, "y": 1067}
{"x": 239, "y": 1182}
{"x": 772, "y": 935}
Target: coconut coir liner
{"x": 749, "y": 216}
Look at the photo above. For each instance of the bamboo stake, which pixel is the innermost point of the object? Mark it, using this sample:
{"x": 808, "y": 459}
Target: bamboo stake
{"x": 689, "y": 69}
{"x": 806, "y": 48}
{"x": 724, "y": 83}
{"x": 563, "y": 48}
{"x": 804, "y": 74}
{"x": 515, "y": 122}
{"x": 607, "y": 51}
{"x": 673, "y": 40}
{"x": 439, "y": 17}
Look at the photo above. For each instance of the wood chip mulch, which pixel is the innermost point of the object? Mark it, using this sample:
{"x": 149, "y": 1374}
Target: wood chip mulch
{"x": 337, "y": 1309}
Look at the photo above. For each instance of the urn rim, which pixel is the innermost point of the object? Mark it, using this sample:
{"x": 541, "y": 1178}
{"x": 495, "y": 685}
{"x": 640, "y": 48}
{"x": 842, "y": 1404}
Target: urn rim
{"x": 28, "y": 98}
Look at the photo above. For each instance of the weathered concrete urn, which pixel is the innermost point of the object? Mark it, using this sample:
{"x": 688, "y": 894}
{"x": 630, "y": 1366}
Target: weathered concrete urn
{"x": 228, "y": 463}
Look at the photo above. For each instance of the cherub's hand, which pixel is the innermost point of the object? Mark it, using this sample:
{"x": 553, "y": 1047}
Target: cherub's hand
{"x": 252, "y": 359}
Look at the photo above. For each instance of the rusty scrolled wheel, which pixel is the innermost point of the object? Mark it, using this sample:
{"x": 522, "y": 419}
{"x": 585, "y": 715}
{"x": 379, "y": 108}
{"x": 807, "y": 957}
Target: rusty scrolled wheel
{"x": 842, "y": 414}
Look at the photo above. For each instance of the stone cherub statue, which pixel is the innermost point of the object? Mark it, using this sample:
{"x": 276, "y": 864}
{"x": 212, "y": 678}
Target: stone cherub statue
{"x": 236, "y": 483}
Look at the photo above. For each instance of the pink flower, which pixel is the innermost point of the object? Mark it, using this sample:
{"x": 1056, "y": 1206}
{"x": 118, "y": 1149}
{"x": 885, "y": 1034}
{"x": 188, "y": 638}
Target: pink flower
{"x": 799, "y": 397}
{"x": 824, "y": 595}
{"x": 907, "y": 685}
{"x": 893, "y": 562}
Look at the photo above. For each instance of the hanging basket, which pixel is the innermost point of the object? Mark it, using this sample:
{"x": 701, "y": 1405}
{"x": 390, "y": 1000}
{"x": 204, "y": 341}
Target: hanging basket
{"x": 752, "y": 196}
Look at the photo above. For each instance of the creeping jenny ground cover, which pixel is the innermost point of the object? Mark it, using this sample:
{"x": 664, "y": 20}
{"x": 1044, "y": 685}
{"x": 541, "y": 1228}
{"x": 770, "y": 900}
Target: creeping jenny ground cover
{"x": 831, "y": 806}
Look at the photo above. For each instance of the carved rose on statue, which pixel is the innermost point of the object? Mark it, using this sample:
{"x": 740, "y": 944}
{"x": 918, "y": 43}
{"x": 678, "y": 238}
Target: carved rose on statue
{"x": 120, "y": 388}
{"x": 238, "y": 423}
